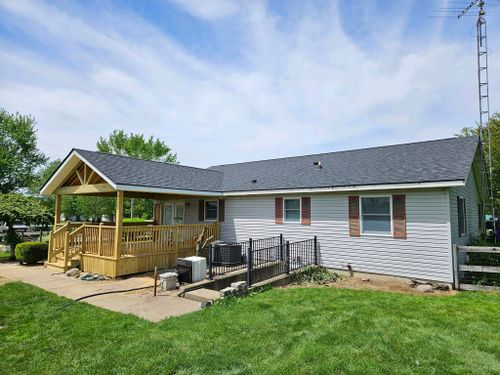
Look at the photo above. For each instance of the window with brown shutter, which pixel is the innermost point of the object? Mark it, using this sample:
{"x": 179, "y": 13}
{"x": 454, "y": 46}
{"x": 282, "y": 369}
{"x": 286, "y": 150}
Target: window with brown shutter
{"x": 306, "y": 210}
{"x": 354, "y": 229}
{"x": 222, "y": 212}
{"x": 201, "y": 210}
{"x": 278, "y": 210}
{"x": 399, "y": 215}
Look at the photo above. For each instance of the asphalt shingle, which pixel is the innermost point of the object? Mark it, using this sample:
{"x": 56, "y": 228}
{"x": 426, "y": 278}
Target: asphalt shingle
{"x": 430, "y": 161}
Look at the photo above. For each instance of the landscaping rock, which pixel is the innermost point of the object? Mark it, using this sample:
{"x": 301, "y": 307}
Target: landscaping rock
{"x": 240, "y": 286}
{"x": 229, "y": 291}
{"x": 424, "y": 288}
{"x": 74, "y": 272}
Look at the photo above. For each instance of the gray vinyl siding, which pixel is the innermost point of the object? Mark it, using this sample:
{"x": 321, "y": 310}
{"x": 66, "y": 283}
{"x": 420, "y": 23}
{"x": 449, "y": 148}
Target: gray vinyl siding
{"x": 425, "y": 254}
{"x": 472, "y": 201}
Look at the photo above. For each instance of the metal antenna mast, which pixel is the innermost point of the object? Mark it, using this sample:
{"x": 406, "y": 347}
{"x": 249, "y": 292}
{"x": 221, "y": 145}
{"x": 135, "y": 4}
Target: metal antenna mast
{"x": 484, "y": 104}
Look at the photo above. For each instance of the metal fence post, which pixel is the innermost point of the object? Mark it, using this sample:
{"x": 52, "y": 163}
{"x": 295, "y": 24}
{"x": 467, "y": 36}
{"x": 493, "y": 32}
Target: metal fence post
{"x": 281, "y": 246}
{"x": 456, "y": 282}
{"x": 287, "y": 255}
{"x": 249, "y": 263}
{"x": 210, "y": 256}
{"x": 316, "y": 250}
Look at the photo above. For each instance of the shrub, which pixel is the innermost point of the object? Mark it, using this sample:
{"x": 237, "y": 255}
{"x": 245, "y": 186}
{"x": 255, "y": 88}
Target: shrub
{"x": 31, "y": 252}
{"x": 314, "y": 274}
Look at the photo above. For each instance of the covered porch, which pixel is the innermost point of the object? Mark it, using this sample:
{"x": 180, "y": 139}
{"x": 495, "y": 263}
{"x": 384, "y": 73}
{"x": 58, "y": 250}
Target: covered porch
{"x": 116, "y": 248}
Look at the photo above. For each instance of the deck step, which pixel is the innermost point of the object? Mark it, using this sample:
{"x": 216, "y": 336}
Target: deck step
{"x": 202, "y": 295}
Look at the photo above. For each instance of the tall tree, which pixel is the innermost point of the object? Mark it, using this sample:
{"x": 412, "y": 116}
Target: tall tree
{"x": 494, "y": 126}
{"x": 41, "y": 176}
{"x": 136, "y": 146}
{"x": 19, "y": 155}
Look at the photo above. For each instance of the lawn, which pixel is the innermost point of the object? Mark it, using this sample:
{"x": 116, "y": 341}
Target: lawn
{"x": 296, "y": 330}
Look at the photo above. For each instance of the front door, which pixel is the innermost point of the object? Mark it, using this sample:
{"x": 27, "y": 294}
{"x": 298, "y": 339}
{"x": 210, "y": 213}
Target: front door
{"x": 174, "y": 213}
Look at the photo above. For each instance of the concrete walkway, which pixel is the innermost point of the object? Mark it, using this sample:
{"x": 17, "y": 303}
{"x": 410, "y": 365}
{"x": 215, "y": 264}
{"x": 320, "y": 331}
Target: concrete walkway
{"x": 140, "y": 303}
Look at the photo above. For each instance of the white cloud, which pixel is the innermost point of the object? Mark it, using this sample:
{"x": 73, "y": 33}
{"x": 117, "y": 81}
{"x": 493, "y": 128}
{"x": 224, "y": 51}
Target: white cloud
{"x": 306, "y": 86}
{"x": 210, "y": 10}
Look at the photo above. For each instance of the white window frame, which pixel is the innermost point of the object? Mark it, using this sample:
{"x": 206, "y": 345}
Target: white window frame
{"x": 205, "y": 209}
{"x": 464, "y": 215}
{"x": 380, "y": 234}
{"x": 300, "y": 210}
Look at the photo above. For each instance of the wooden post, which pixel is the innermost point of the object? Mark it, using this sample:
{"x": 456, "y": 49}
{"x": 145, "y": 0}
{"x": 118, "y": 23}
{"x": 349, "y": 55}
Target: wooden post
{"x": 210, "y": 259}
{"x": 66, "y": 250}
{"x": 456, "y": 283}
{"x": 118, "y": 224}
{"x": 57, "y": 213}
{"x": 156, "y": 280}
{"x": 99, "y": 243}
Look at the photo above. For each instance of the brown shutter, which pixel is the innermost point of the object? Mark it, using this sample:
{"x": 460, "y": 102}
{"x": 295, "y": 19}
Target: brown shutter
{"x": 399, "y": 216}
{"x": 157, "y": 214}
{"x": 201, "y": 210}
{"x": 354, "y": 229}
{"x": 222, "y": 207}
{"x": 278, "y": 210}
{"x": 459, "y": 216}
{"x": 306, "y": 210}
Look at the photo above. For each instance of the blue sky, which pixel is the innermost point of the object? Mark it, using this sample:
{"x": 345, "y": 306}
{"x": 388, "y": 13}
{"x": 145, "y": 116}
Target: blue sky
{"x": 225, "y": 81}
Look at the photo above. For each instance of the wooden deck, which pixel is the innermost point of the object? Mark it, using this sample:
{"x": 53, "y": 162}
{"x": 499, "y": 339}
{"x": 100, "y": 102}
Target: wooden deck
{"x": 100, "y": 249}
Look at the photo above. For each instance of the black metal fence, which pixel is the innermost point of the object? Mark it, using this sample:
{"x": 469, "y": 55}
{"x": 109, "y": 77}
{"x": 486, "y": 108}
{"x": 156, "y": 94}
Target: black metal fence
{"x": 229, "y": 257}
{"x": 266, "y": 263}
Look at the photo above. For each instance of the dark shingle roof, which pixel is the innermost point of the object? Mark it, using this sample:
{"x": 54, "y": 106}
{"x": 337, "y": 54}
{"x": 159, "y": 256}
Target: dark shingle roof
{"x": 430, "y": 161}
{"x": 123, "y": 170}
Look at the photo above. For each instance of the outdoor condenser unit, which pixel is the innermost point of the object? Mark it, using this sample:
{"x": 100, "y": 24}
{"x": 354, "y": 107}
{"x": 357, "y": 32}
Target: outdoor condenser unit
{"x": 197, "y": 265}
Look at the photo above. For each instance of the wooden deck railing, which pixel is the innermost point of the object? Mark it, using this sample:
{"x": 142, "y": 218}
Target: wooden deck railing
{"x": 161, "y": 239}
{"x": 162, "y": 242}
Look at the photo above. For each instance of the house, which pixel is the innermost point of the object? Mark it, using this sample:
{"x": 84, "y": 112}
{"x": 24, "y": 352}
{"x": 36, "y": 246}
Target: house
{"x": 392, "y": 210}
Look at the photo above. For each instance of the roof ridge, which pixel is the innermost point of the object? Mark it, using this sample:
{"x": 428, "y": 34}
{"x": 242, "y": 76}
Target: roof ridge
{"x": 153, "y": 161}
{"x": 342, "y": 151}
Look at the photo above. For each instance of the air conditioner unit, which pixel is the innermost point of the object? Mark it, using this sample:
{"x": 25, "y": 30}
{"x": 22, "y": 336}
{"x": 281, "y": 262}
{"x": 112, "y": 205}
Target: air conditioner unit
{"x": 198, "y": 268}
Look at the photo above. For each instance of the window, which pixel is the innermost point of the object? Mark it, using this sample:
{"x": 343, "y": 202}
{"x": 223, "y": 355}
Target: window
{"x": 376, "y": 215}
{"x": 292, "y": 209}
{"x": 211, "y": 208}
{"x": 462, "y": 216}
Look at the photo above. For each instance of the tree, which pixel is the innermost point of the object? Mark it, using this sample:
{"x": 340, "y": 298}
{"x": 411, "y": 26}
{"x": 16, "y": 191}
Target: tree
{"x": 42, "y": 175}
{"x": 136, "y": 146}
{"x": 494, "y": 126}
{"x": 16, "y": 208}
{"x": 19, "y": 155}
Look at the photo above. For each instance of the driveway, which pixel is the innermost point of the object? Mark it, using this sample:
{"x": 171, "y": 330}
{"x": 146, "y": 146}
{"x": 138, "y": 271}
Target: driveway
{"x": 141, "y": 303}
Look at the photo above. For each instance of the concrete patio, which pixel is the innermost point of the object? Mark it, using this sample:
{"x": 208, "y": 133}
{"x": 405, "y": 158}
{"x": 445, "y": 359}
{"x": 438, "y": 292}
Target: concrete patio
{"x": 141, "y": 303}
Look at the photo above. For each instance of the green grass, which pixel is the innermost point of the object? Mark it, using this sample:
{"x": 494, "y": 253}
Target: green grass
{"x": 279, "y": 331}
{"x": 4, "y": 257}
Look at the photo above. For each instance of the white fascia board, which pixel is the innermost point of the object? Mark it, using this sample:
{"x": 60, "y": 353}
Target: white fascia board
{"x": 45, "y": 189}
{"x": 422, "y": 185}
{"x": 104, "y": 177}
{"x": 146, "y": 189}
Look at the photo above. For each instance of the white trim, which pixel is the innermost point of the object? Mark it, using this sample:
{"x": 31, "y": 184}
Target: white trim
{"x": 381, "y": 234}
{"x": 194, "y": 193}
{"x": 205, "y": 210}
{"x": 421, "y": 185}
{"x": 284, "y": 209}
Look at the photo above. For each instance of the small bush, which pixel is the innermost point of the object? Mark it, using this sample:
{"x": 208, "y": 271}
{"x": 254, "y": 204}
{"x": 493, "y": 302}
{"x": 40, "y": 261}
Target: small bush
{"x": 31, "y": 252}
{"x": 313, "y": 274}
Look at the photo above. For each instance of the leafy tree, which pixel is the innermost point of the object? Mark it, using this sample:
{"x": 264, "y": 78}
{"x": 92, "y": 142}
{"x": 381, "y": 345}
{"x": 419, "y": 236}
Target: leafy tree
{"x": 494, "y": 125}
{"x": 16, "y": 208}
{"x": 40, "y": 178}
{"x": 19, "y": 155}
{"x": 136, "y": 146}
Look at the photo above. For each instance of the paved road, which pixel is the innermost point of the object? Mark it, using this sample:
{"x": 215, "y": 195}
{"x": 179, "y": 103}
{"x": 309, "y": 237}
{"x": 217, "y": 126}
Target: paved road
{"x": 140, "y": 303}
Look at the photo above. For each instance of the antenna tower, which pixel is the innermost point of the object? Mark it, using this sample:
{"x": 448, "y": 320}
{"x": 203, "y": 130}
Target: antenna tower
{"x": 484, "y": 105}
